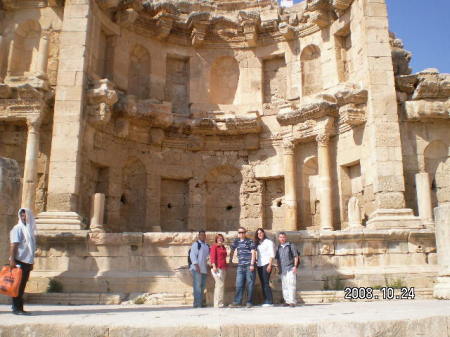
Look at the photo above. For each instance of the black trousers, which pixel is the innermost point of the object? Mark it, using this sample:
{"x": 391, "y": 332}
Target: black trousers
{"x": 264, "y": 277}
{"x": 17, "y": 302}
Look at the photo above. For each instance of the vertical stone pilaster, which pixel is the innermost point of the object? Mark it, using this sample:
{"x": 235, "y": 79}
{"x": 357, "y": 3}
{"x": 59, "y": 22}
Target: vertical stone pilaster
{"x": 442, "y": 219}
{"x": 382, "y": 126}
{"x": 290, "y": 196}
{"x": 423, "y": 188}
{"x": 30, "y": 167}
{"x": 42, "y": 59}
{"x": 65, "y": 161}
{"x": 2, "y": 50}
{"x": 323, "y": 156}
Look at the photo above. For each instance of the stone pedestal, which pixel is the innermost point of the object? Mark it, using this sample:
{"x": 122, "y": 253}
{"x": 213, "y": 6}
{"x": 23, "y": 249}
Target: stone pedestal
{"x": 394, "y": 219}
{"x": 423, "y": 188}
{"x": 442, "y": 218}
{"x": 30, "y": 168}
{"x": 59, "y": 221}
{"x": 354, "y": 214}
{"x": 97, "y": 212}
{"x": 290, "y": 197}
{"x": 323, "y": 154}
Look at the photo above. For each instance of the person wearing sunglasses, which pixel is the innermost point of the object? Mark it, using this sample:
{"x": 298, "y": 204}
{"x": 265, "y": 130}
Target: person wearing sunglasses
{"x": 245, "y": 274}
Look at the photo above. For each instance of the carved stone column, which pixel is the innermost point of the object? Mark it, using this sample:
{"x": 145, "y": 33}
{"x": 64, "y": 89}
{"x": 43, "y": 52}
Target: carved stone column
{"x": 30, "y": 167}
{"x": 2, "y": 49}
{"x": 423, "y": 189}
{"x": 97, "y": 212}
{"x": 10, "y": 60}
{"x": 42, "y": 59}
{"x": 442, "y": 217}
{"x": 326, "y": 209}
{"x": 290, "y": 196}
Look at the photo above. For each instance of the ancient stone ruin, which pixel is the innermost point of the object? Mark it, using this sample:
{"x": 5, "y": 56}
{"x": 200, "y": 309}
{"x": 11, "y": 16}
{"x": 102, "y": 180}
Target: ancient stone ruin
{"x": 127, "y": 125}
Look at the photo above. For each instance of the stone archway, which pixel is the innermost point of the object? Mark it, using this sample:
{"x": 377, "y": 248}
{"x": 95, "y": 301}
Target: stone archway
{"x": 139, "y": 73}
{"x": 311, "y": 70}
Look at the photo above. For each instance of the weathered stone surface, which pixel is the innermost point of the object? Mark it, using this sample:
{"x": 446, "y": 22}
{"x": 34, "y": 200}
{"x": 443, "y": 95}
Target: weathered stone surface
{"x": 190, "y": 115}
{"x": 399, "y": 318}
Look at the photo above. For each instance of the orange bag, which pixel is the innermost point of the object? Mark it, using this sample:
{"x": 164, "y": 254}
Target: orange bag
{"x": 10, "y": 281}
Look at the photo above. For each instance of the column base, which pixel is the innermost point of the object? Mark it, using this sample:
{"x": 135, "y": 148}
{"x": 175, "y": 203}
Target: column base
{"x": 442, "y": 288}
{"x": 394, "y": 219}
{"x": 57, "y": 221}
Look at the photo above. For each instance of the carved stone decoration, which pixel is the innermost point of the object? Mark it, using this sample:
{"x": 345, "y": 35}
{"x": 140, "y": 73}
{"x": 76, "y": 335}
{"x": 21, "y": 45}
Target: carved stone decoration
{"x": 323, "y": 139}
{"x": 313, "y": 110}
{"x": 14, "y": 4}
{"x": 165, "y": 24}
{"x": 23, "y": 101}
{"x": 426, "y": 95}
{"x": 101, "y": 99}
{"x": 427, "y": 109}
{"x": 198, "y": 33}
{"x": 289, "y": 32}
{"x": 341, "y": 4}
{"x": 250, "y": 22}
{"x": 431, "y": 85}
{"x": 400, "y": 57}
{"x": 107, "y": 4}
{"x": 126, "y": 17}
{"x": 155, "y": 113}
{"x": 198, "y": 22}
{"x": 227, "y": 124}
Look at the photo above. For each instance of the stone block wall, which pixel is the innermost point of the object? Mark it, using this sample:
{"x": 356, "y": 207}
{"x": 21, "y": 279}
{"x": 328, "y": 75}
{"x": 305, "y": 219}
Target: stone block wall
{"x": 150, "y": 262}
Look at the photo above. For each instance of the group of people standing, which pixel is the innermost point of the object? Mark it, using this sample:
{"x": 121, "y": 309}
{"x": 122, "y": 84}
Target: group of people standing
{"x": 258, "y": 255}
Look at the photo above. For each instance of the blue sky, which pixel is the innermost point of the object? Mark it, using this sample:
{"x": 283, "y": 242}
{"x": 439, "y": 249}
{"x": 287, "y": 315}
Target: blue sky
{"x": 424, "y": 27}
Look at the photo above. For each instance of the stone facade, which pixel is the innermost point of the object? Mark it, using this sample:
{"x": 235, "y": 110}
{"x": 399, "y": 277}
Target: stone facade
{"x": 132, "y": 118}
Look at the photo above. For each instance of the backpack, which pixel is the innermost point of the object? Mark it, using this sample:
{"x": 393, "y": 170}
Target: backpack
{"x": 199, "y": 245}
{"x": 291, "y": 255}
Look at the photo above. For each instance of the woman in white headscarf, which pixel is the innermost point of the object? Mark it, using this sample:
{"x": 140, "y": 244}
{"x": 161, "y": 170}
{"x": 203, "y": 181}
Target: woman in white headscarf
{"x": 22, "y": 249}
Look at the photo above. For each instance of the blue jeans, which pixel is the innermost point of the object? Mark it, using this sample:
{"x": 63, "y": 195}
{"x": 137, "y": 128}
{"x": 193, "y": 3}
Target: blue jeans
{"x": 199, "y": 287}
{"x": 264, "y": 277}
{"x": 244, "y": 275}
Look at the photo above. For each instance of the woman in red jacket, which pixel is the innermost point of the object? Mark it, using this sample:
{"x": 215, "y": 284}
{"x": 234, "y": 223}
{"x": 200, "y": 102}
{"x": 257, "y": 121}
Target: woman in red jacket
{"x": 218, "y": 259}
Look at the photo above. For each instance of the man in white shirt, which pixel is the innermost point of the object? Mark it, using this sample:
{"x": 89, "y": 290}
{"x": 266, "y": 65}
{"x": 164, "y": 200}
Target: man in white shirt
{"x": 21, "y": 253}
{"x": 198, "y": 256}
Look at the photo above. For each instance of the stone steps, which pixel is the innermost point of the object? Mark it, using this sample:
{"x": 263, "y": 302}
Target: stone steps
{"x": 307, "y": 297}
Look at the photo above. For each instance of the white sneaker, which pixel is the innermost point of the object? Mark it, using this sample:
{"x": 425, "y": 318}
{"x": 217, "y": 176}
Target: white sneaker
{"x": 267, "y": 305}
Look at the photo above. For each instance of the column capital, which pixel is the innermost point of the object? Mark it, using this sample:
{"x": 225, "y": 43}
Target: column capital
{"x": 288, "y": 146}
{"x": 323, "y": 139}
{"x": 34, "y": 123}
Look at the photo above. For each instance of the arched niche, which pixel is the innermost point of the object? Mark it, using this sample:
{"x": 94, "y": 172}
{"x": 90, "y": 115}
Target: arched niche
{"x": 139, "y": 73}
{"x": 133, "y": 201}
{"x": 24, "y": 48}
{"x": 437, "y": 165}
{"x": 310, "y": 193}
{"x": 224, "y": 80}
{"x": 311, "y": 70}
{"x": 222, "y": 198}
